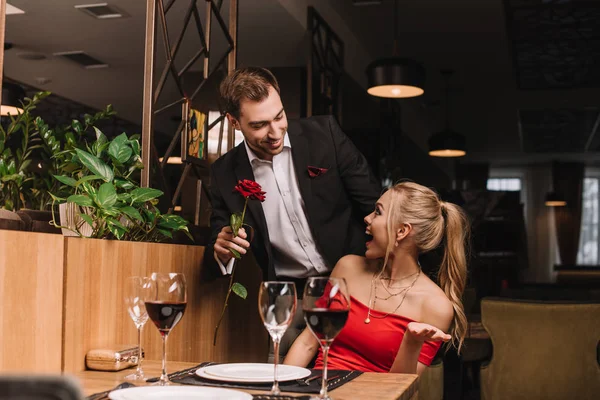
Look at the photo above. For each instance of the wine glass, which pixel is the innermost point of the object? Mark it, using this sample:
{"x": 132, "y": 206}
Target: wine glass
{"x": 277, "y": 306}
{"x": 326, "y": 304}
{"x": 135, "y": 294}
{"x": 165, "y": 303}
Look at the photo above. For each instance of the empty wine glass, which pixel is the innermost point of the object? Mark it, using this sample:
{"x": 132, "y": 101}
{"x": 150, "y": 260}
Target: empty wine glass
{"x": 135, "y": 288}
{"x": 326, "y": 304}
{"x": 277, "y": 306}
{"x": 165, "y": 303}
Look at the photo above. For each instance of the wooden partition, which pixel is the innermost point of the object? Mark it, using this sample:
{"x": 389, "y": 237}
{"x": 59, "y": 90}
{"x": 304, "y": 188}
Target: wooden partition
{"x": 48, "y": 326}
{"x": 31, "y": 300}
{"x": 95, "y": 314}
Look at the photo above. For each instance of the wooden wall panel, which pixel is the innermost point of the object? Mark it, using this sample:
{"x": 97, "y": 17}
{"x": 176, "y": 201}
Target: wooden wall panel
{"x": 31, "y": 297}
{"x": 95, "y": 315}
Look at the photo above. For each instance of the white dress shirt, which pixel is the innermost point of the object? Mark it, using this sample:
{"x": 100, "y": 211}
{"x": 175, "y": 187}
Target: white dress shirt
{"x": 295, "y": 253}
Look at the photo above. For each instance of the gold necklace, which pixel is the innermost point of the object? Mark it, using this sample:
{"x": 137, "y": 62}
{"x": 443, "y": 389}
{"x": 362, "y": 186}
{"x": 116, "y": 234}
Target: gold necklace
{"x": 373, "y": 299}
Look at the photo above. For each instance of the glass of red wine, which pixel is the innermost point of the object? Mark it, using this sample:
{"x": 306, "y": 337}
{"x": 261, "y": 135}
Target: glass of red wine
{"x": 165, "y": 303}
{"x": 277, "y": 306}
{"x": 326, "y": 304}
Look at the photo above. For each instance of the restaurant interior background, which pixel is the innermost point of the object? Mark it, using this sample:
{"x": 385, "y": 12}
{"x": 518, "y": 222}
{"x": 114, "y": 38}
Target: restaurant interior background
{"x": 518, "y": 79}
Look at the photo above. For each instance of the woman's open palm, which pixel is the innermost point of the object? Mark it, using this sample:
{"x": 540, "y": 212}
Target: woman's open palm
{"x": 425, "y": 332}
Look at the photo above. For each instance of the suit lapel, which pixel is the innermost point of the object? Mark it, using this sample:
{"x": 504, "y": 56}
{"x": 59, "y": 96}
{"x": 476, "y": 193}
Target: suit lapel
{"x": 243, "y": 170}
{"x": 301, "y": 158}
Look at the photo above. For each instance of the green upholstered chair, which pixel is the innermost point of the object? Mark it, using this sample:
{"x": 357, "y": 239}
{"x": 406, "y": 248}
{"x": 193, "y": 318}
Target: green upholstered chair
{"x": 431, "y": 381}
{"x": 541, "y": 350}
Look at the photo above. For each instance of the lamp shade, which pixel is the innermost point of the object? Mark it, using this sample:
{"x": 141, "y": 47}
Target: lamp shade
{"x": 447, "y": 144}
{"x": 12, "y": 95}
{"x": 553, "y": 199}
{"x": 395, "y": 77}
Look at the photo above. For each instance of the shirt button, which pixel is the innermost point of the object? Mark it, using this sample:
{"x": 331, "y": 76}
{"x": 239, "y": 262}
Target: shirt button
{"x": 304, "y": 244}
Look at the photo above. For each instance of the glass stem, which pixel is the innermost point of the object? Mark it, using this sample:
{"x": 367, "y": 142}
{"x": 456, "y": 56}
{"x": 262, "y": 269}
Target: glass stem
{"x": 323, "y": 393}
{"x": 139, "y": 358}
{"x": 275, "y": 389}
{"x": 164, "y": 379}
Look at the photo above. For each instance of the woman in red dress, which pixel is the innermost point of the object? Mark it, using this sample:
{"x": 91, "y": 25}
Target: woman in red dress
{"x": 398, "y": 316}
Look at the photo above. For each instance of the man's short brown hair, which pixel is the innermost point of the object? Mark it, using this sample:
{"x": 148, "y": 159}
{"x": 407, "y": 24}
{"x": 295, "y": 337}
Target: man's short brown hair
{"x": 250, "y": 83}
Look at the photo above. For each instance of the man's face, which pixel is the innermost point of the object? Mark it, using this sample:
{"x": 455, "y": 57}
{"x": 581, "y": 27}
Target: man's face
{"x": 263, "y": 124}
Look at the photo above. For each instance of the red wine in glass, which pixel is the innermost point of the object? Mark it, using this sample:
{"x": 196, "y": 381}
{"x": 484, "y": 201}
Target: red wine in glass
{"x": 326, "y": 304}
{"x": 165, "y": 315}
{"x": 325, "y": 323}
{"x": 165, "y": 302}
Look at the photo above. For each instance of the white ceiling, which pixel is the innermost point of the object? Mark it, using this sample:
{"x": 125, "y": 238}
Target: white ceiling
{"x": 468, "y": 36}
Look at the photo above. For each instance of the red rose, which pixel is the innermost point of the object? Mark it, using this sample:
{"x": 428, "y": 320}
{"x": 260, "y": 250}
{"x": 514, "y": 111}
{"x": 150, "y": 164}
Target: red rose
{"x": 250, "y": 189}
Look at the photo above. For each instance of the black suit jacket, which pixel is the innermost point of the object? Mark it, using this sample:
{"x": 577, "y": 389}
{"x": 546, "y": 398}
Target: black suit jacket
{"x": 336, "y": 201}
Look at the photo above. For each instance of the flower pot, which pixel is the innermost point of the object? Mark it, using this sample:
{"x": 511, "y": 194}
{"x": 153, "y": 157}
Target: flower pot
{"x": 11, "y": 221}
{"x": 38, "y": 221}
{"x": 71, "y": 221}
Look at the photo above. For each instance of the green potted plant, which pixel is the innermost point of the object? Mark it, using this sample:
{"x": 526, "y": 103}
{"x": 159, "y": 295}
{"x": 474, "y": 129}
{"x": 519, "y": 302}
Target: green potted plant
{"x": 30, "y": 154}
{"x": 100, "y": 197}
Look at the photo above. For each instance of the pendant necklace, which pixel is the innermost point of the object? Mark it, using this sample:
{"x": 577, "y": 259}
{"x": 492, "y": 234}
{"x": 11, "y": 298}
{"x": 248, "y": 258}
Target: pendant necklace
{"x": 373, "y": 299}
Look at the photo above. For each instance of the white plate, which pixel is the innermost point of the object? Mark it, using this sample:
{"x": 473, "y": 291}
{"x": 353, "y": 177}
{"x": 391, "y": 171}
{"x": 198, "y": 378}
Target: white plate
{"x": 177, "y": 393}
{"x": 251, "y": 372}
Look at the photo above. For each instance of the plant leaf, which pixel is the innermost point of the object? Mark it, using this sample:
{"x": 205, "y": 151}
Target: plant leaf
{"x": 81, "y": 200}
{"x": 67, "y": 180}
{"x": 107, "y": 195}
{"x": 132, "y": 213}
{"x": 235, "y": 222}
{"x": 100, "y": 137}
{"x": 94, "y": 164}
{"x": 240, "y": 290}
{"x": 116, "y": 228}
{"x": 87, "y": 178}
{"x": 87, "y": 219}
{"x": 172, "y": 222}
{"x": 123, "y": 183}
{"x": 236, "y": 254}
{"x": 119, "y": 149}
{"x": 142, "y": 195}
{"x": 166, "y": 232}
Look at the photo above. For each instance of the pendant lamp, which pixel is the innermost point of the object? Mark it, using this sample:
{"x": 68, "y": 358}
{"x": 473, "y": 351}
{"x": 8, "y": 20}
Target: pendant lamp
{"x": 553, "y": 199}
{"x": 395, "y": 77}
{"x": 447, "y": 143}
{"x": 12, "y": 96}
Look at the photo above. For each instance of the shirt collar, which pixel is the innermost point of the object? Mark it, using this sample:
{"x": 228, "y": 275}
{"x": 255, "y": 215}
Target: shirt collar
{"x": 252, "y": 156}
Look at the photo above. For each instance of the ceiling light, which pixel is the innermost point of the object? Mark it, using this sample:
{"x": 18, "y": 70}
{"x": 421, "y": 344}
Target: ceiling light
{"x": 447, "y": 143}
{"x": 12, "y": 10}
{"x": 395, "y": 77}
{"x": 12, "y": 96}
{"x": 553, "y": 199}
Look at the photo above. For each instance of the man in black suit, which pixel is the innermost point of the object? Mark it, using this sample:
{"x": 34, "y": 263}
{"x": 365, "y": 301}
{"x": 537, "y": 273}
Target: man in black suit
{"x": 318, "y": 186}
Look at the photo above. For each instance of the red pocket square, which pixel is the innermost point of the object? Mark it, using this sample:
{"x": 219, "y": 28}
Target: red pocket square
{"x": 313, "y": 172}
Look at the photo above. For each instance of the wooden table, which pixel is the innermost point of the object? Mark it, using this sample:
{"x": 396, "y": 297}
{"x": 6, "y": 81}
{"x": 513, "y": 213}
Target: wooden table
{"x": 369, "y": 385}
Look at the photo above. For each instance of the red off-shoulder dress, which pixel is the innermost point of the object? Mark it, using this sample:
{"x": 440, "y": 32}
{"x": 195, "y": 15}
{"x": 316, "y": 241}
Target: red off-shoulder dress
{"x": 371, "y": 347}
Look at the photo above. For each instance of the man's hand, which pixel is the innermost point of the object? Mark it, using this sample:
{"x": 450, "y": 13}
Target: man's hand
{"x": 422, "y": 332}
{"x": 226, "y": 241}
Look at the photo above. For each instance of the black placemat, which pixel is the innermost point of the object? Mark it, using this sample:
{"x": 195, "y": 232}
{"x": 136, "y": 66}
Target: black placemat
{"x": 104, "y": 395}
{"x": 188, "y": 377}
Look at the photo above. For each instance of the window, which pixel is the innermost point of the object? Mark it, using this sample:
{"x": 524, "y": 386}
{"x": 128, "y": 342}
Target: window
{"x": 504, "y": 184}
{"x": 213, "y": 135}
{"x": 588, "y": 238}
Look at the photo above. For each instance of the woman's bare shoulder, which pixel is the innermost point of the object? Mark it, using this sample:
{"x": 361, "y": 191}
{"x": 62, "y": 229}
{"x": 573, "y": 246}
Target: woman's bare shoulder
{"x": 352, "y": 266}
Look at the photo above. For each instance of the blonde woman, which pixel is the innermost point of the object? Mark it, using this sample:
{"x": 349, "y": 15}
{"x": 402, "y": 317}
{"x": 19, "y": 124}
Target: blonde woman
{"x": 399, "y": 317}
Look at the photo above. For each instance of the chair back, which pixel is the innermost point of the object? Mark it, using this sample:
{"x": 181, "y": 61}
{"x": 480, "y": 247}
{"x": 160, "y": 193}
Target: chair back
{"x": 541, "y": 350}
{"x": 431, "y": 381}
{"x": 39, "y": 388}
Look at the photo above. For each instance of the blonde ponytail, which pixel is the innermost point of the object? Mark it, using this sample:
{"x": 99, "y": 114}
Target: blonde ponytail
{"x": 433, "y": 221}
{"x": 453, "y": 270}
